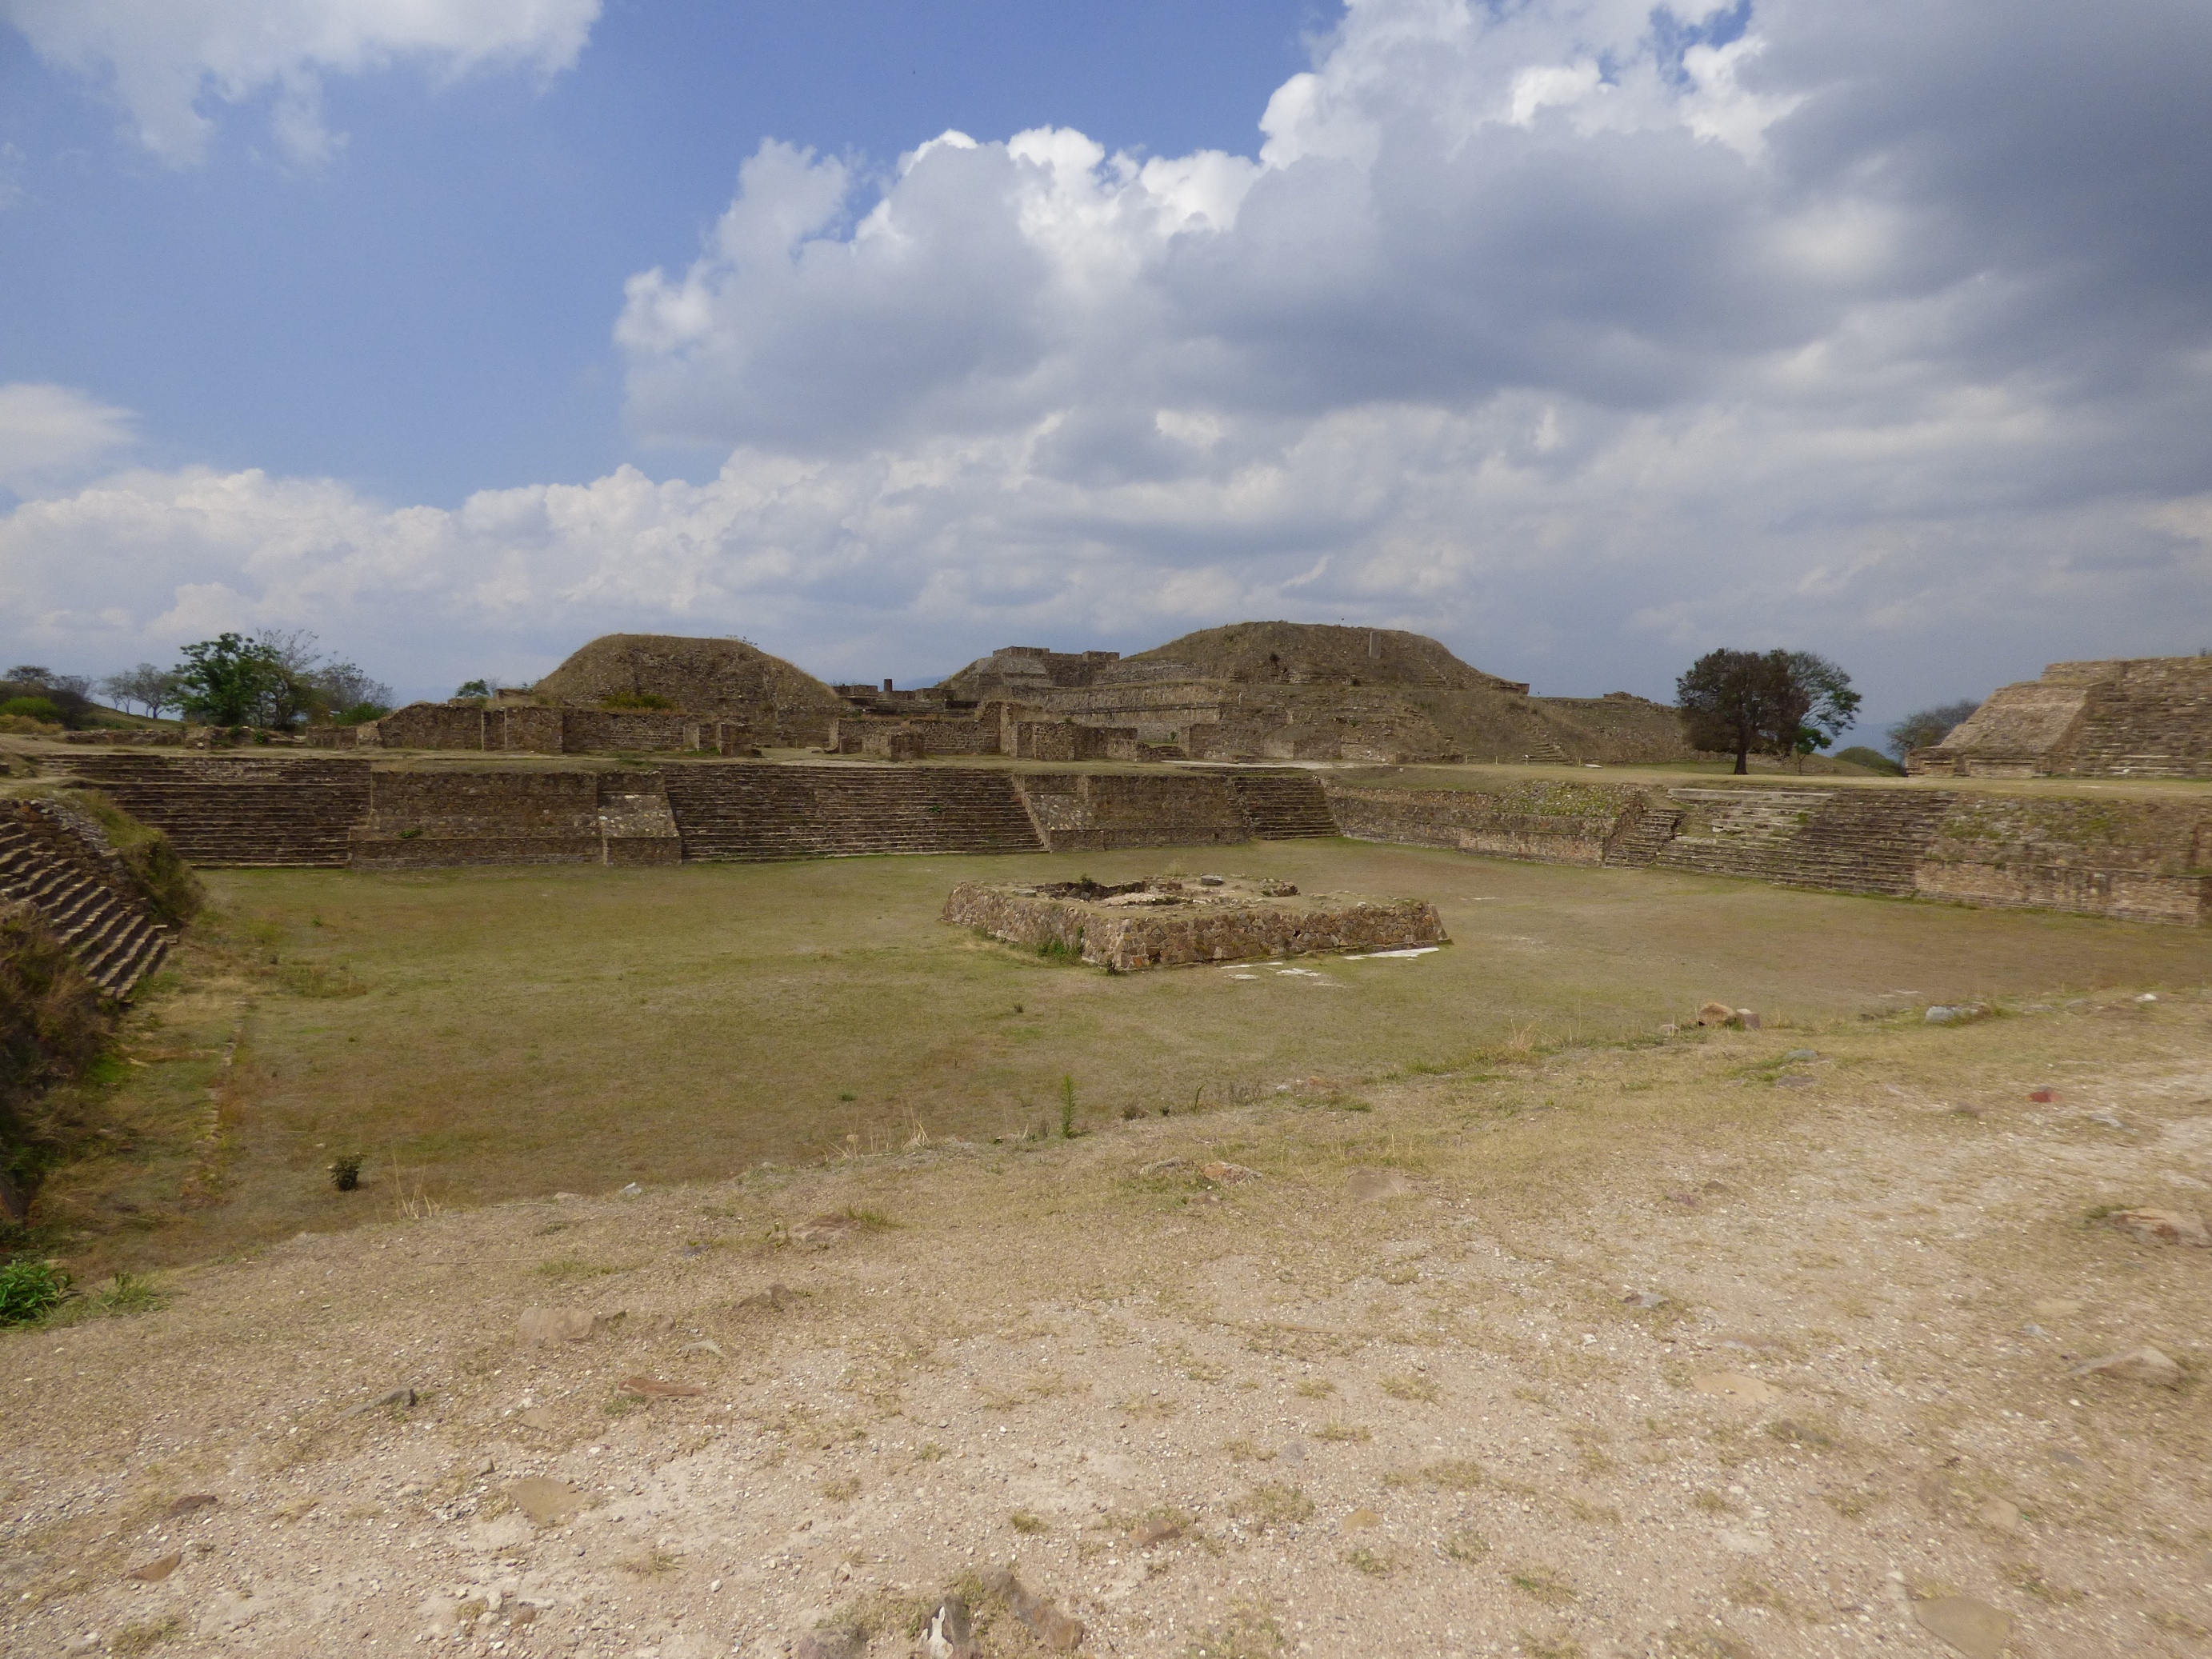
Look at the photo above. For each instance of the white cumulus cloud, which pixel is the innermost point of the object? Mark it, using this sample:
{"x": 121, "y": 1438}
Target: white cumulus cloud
{"x": 46, "y": 430}
{"x": 164, "y": 59}
{"x": 1583, "y": 334}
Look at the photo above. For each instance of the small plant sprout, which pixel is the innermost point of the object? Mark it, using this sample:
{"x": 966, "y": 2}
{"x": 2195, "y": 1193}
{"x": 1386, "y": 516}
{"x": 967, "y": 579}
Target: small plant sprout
{"x": 345, "y": 1172}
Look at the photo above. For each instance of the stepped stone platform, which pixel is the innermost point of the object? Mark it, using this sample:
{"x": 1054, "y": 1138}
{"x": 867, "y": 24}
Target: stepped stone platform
{"x": 56, "y": 865}
{"x": 2140, "y": 717}
{"x": 240, "y": 810}
{"x": 767, "y": 812}
{"x": 2139, "y": 863}
{"x": 1165, "y": 921}
{"x": 2132, "y": 860}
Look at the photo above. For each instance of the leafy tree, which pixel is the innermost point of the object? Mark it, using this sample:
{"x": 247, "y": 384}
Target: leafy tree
{"x": 152, "y": 688}
{"x": 1736, "y": 701}
{"x": 65, "y": 692}
{"x": 276, "y": 679}
{"x": 228, "y": 680}
{"x": 1929, "y": 727}
{"x": 347, "y": 689}
{"x": 474, "y": 689}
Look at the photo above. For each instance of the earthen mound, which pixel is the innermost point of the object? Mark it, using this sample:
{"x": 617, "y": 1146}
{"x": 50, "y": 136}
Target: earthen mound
{"x": 1313, "y": 654}
{"x": 725, "y": 678}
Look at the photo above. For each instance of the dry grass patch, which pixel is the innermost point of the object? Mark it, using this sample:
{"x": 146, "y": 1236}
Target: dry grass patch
{"x": 578, "y": 970}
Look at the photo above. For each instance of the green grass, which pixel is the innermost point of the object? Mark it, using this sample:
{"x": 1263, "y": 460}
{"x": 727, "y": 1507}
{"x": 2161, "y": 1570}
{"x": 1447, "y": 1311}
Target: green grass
{"x": 28, "y": 1289}
{"x": 520, "y": 1031}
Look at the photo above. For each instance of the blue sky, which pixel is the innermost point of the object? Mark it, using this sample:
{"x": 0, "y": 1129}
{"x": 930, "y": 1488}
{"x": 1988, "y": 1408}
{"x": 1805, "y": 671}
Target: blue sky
{"x": 1583, "y": 334}
{"x": 429, "y": 313}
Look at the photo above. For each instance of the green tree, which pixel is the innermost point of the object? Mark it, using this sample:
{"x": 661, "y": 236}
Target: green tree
{"x": 1929, "y": 727}
{"x": 1739, "y": 703}
{"x": 474, "y": 689}
{"x": 228, "y": 680}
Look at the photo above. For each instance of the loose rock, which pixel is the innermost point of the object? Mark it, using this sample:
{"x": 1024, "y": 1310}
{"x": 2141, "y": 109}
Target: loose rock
{"x": 2162, "y": 1226}
{"x": 849, "y": 1643}
{"x": 2143, "y": 1364}
{"x": 1365, "y": 1185}
{"x": 1228, "y": 1175}
{"x": 190, "y": 1501}
{"x": 544, "y": 1327}
{"x": 653, "y": 1389}
{"x": 1999, "y": 1514}
{"x": 1974, "y": 1628}
{"x": 951, "y": 1633}
{"x": 156, "y": 1569}
{"x": 1046, "y": 1621}
{"x": 547, "y": 1503}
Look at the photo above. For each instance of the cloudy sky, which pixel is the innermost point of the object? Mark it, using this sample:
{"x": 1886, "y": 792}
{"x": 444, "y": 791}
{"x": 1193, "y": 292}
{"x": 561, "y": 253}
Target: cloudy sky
{"x": 1583, "y": 334}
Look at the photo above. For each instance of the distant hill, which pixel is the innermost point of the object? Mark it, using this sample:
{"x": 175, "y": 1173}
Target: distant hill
{"x": 726, "y": 679}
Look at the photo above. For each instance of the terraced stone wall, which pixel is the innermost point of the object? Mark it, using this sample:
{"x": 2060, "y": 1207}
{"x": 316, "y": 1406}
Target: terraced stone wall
{"x": 419, "y": 820}
{"x": 1098, "y": 811}
{"x": 2139, "y": 860}
{"x": 1564, "y": 822}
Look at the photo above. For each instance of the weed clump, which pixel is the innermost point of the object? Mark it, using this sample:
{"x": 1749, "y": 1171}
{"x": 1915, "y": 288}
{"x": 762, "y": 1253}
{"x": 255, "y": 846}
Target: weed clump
{"x": 29, "y": 1290}
{"x": 345, "y": 1172}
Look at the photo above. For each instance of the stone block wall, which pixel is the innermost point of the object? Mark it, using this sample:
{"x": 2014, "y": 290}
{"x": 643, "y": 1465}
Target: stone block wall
{"x": 2139, "y": 860}
{"x": 533, "y": 729}
{"x": 1134, "y": 940}
{"x": 1093, "y": 813}
{"x": 427, "y": 819}
{"x": 603, "y": 731}
{"x": 1565, "y": 822}
{"x": 1066, "y": 740}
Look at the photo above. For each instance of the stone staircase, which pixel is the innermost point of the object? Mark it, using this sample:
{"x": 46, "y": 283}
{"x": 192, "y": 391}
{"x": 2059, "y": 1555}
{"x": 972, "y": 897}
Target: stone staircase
{"x": 749, "y": 813}
{"x": 2161, "y": 729}
{"x": 1284, "y": 806}
{"x": 240, "y": 810}
{"x": 1543, "y": 748}
{"x": 1864, "y": 841}
{"x": 1745, "y": 832}
{"x": 110, "y": 936}
{"x": 1646, "y": 835}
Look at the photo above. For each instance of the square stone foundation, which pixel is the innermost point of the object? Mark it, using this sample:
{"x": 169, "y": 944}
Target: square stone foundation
{"x": 1171, "y": 921}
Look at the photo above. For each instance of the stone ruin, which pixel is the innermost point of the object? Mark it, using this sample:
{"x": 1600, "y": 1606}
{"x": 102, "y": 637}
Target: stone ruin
{"x": 2142, "y": 717}
{"x": 1173, "y": 922}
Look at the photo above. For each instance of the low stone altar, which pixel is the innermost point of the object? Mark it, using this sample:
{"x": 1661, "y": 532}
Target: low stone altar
{"x": 1169, "y": 921}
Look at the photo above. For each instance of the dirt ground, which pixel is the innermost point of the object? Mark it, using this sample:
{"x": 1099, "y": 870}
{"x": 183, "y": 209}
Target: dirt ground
{"x": 1758, "y": 1343}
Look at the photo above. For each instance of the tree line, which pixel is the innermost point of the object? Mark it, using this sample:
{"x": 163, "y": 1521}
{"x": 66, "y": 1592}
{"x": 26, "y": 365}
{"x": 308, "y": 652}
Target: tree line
{"x": 276, "y": 679}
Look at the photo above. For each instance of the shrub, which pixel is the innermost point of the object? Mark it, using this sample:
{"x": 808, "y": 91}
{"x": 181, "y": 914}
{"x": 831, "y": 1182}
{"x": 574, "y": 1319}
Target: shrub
{"x": 345, "y": 1172}
{"x": 1873, "y": 759}
{"x": 33, "y": 708}
{"x": 28, "y": 1290}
